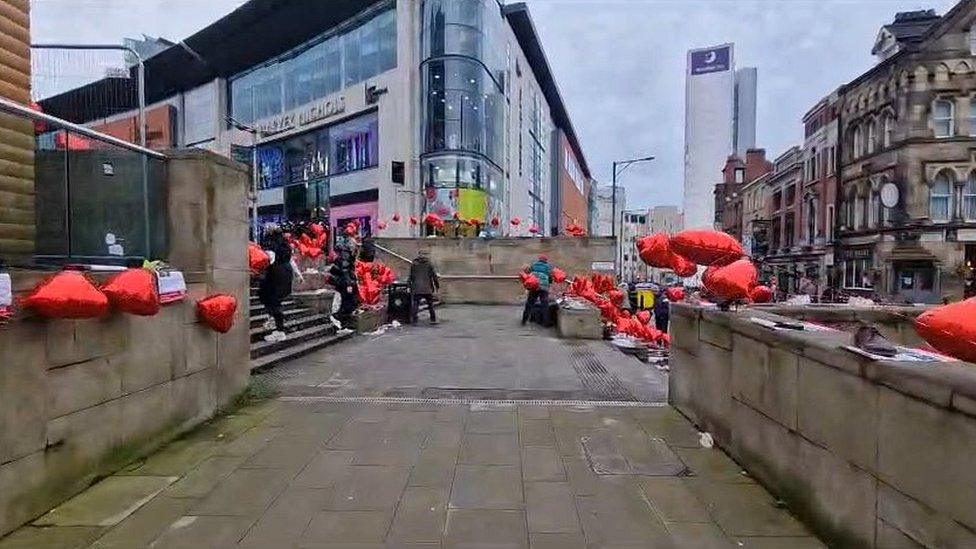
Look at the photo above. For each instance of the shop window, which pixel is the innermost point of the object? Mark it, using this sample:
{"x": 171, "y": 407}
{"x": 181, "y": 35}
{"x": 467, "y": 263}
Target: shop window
{"x": 857, "y": 274}
{"x": 199, "y": 111}
{"x": 940, "y": 198}
{"x": 969, "y": 198}
{"x": 942, "y": 118}
{"x": 355, "y": 145}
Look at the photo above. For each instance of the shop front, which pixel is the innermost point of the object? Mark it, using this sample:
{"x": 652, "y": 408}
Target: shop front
{"x": 304, "y": 177}
{"x": 857, "y": 271}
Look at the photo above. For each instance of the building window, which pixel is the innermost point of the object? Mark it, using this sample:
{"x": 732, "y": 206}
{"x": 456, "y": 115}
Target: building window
{"x": 740, "y": 175}
{"x": 857, "y": 146}
{"x": 874, "y": 210}
{"x": 942, "y": 118}
{"x": 811, "y": 220}
{"x": 789, "y": 227}
{"x": 858, "y": 212}
{"x": 315, "y": 70}
{"x": 969, "y": 198}
{"x": 857, "y": 274}
{"x": 888, "y": 128}
{"x": 830, "y": 223}
{"x": 872, "y": 136}
{"x": 830, "y": 161}
{"x": 972, "y": 116}
{"x": 355, "y": 144}
{"x": 940, "y": 198}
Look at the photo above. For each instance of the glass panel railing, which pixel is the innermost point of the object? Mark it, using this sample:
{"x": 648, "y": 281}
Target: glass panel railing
{"x": 98, "y": 199}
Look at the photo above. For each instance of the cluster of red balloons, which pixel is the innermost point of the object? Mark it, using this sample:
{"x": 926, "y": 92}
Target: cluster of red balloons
{"x": 600, "y": 291}
{"x": 72, "y": 295}
{"x": 372, "y": 278}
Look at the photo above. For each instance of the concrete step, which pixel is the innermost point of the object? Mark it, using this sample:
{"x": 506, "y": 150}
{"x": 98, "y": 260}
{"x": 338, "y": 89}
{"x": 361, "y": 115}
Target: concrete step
{"x": 261, "y": 348}
{"x": 257, "y": 309}
{"x": 291, "y": 314}
{"x": 294, "y": 324}
{"x": 271, "y": 360}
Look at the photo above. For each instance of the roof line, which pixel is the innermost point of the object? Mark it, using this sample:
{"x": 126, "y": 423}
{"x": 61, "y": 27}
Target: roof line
{"x": 525, "y": 31}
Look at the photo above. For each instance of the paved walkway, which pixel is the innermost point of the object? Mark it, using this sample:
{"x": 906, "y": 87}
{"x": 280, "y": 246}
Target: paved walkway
{"x": 357, "y": 453}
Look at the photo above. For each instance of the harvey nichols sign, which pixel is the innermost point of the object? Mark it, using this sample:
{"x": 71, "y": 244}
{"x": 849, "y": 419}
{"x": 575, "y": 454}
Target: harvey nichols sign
{"x": 716, "y": 59}
{"x": 303, "y": 117}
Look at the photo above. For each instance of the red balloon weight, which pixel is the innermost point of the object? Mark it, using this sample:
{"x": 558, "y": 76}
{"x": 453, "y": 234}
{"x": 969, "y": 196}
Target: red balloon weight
{"x": 217, "y": 312}
{"x": 706, "y": 247}
{"x": 134, "y": 291}
{"x": 950, "y": 329}
{"x": 675, "y": 294}
{"x": 761, "y": 294}
{"x": 67, "y": 294}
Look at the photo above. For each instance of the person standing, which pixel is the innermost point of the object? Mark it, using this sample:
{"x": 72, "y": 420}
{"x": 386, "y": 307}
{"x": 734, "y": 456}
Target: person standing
{"x": 423, "y": 283}
{"x": 343, "y": 274}
{"x": 542, "y": 270}
{"x": 277, "y": 281}
{"x": 662, "y": 310}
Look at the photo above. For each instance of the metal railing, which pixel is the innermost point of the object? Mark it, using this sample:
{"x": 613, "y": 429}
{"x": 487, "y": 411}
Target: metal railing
{"x": 98, "y": 198}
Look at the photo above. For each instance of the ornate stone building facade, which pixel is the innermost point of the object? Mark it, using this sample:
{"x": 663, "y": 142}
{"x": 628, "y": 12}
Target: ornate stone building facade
{"x": 906, "y": 220}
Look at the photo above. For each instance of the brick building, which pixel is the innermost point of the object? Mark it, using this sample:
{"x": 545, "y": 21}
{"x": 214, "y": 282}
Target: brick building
{"x": 907, "y": 204}
{"x": 784, "y": 190}
{"x": 736, "y": 174}
{"x": 818, "y": 197}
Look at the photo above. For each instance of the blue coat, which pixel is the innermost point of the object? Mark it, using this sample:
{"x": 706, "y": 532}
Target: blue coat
{"x": 542, "y": 271}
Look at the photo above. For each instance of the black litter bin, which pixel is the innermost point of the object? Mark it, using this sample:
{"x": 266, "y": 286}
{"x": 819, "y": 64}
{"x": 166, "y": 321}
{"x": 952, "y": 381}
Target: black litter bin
{"x": 400, "y": 303}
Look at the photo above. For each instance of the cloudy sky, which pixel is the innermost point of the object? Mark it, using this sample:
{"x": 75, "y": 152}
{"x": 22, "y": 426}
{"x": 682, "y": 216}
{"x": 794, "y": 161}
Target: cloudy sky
{"x": 619, "y": 63}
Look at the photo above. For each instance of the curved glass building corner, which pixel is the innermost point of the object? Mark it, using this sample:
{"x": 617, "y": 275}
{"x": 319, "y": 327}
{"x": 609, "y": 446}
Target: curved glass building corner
{"x": 463, "y": 70}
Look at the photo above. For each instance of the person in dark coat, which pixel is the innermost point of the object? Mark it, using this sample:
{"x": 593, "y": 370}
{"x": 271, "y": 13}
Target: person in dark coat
{"x": 276, "y": 284}
{"x": 367, "y": 252}
{"x": 662, "y": 311}
{"x": 423, "y": 283}
{"x": 542, "y": 270}
{"x": 343, "y": 274}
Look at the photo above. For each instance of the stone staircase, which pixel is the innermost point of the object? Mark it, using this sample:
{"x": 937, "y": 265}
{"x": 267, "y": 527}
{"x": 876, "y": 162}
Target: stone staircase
{"x": 308, "y": 331}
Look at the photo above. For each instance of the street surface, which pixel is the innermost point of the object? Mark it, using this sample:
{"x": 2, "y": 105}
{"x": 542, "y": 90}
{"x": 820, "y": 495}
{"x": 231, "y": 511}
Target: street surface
{"x": 369, "y": 445}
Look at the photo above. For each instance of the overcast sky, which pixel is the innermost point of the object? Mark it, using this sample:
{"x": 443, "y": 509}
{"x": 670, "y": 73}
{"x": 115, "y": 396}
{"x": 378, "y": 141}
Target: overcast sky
{"x": 619, "y": 63}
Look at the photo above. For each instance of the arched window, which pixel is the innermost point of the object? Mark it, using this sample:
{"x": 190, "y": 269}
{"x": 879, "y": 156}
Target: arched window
{"x": 940, "y": 197}
{"x": 889, "y": 130}
{"x": 858, "y": 212}
{"x": 874, "y": 210}
{"x": 969, "y": 198}
{"x": 857, "y": 147}
{"x": 942, "y": 118}
{"x": 872, "y": 136}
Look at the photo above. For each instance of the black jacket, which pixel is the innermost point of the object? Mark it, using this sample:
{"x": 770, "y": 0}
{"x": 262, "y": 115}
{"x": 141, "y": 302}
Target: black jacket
{"x": 276, "y": 284}
{"x": 423, "y": 278}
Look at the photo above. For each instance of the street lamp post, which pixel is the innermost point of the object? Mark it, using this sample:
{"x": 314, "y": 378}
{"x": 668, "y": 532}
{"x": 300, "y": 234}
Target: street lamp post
{"x": 623, "y": 165}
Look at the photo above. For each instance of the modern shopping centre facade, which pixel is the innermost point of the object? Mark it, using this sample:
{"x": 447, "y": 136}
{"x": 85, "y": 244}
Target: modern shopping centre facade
{"x": 366, "y": 109}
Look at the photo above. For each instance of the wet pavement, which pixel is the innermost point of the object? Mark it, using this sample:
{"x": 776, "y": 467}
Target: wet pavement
{"x": 473, "y": 433}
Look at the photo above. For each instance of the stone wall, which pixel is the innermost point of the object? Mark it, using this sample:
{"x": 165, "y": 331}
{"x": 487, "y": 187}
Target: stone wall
{"x": 894, "y": 322}
{"x": 480, "y": 271}
{"x": 16, "y": 135}
{"x": 869, "y": 454}
{"x": 80, "y": 399}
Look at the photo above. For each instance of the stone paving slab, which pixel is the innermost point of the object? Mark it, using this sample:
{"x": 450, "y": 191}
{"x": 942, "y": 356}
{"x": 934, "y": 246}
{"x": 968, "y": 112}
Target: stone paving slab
{"x": 360, "y": 473}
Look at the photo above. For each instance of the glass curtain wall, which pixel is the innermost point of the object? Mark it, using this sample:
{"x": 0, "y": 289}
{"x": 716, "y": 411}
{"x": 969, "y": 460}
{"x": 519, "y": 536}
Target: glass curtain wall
{"x": 323, "y": 66}
{"x": 463, "y": 74}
